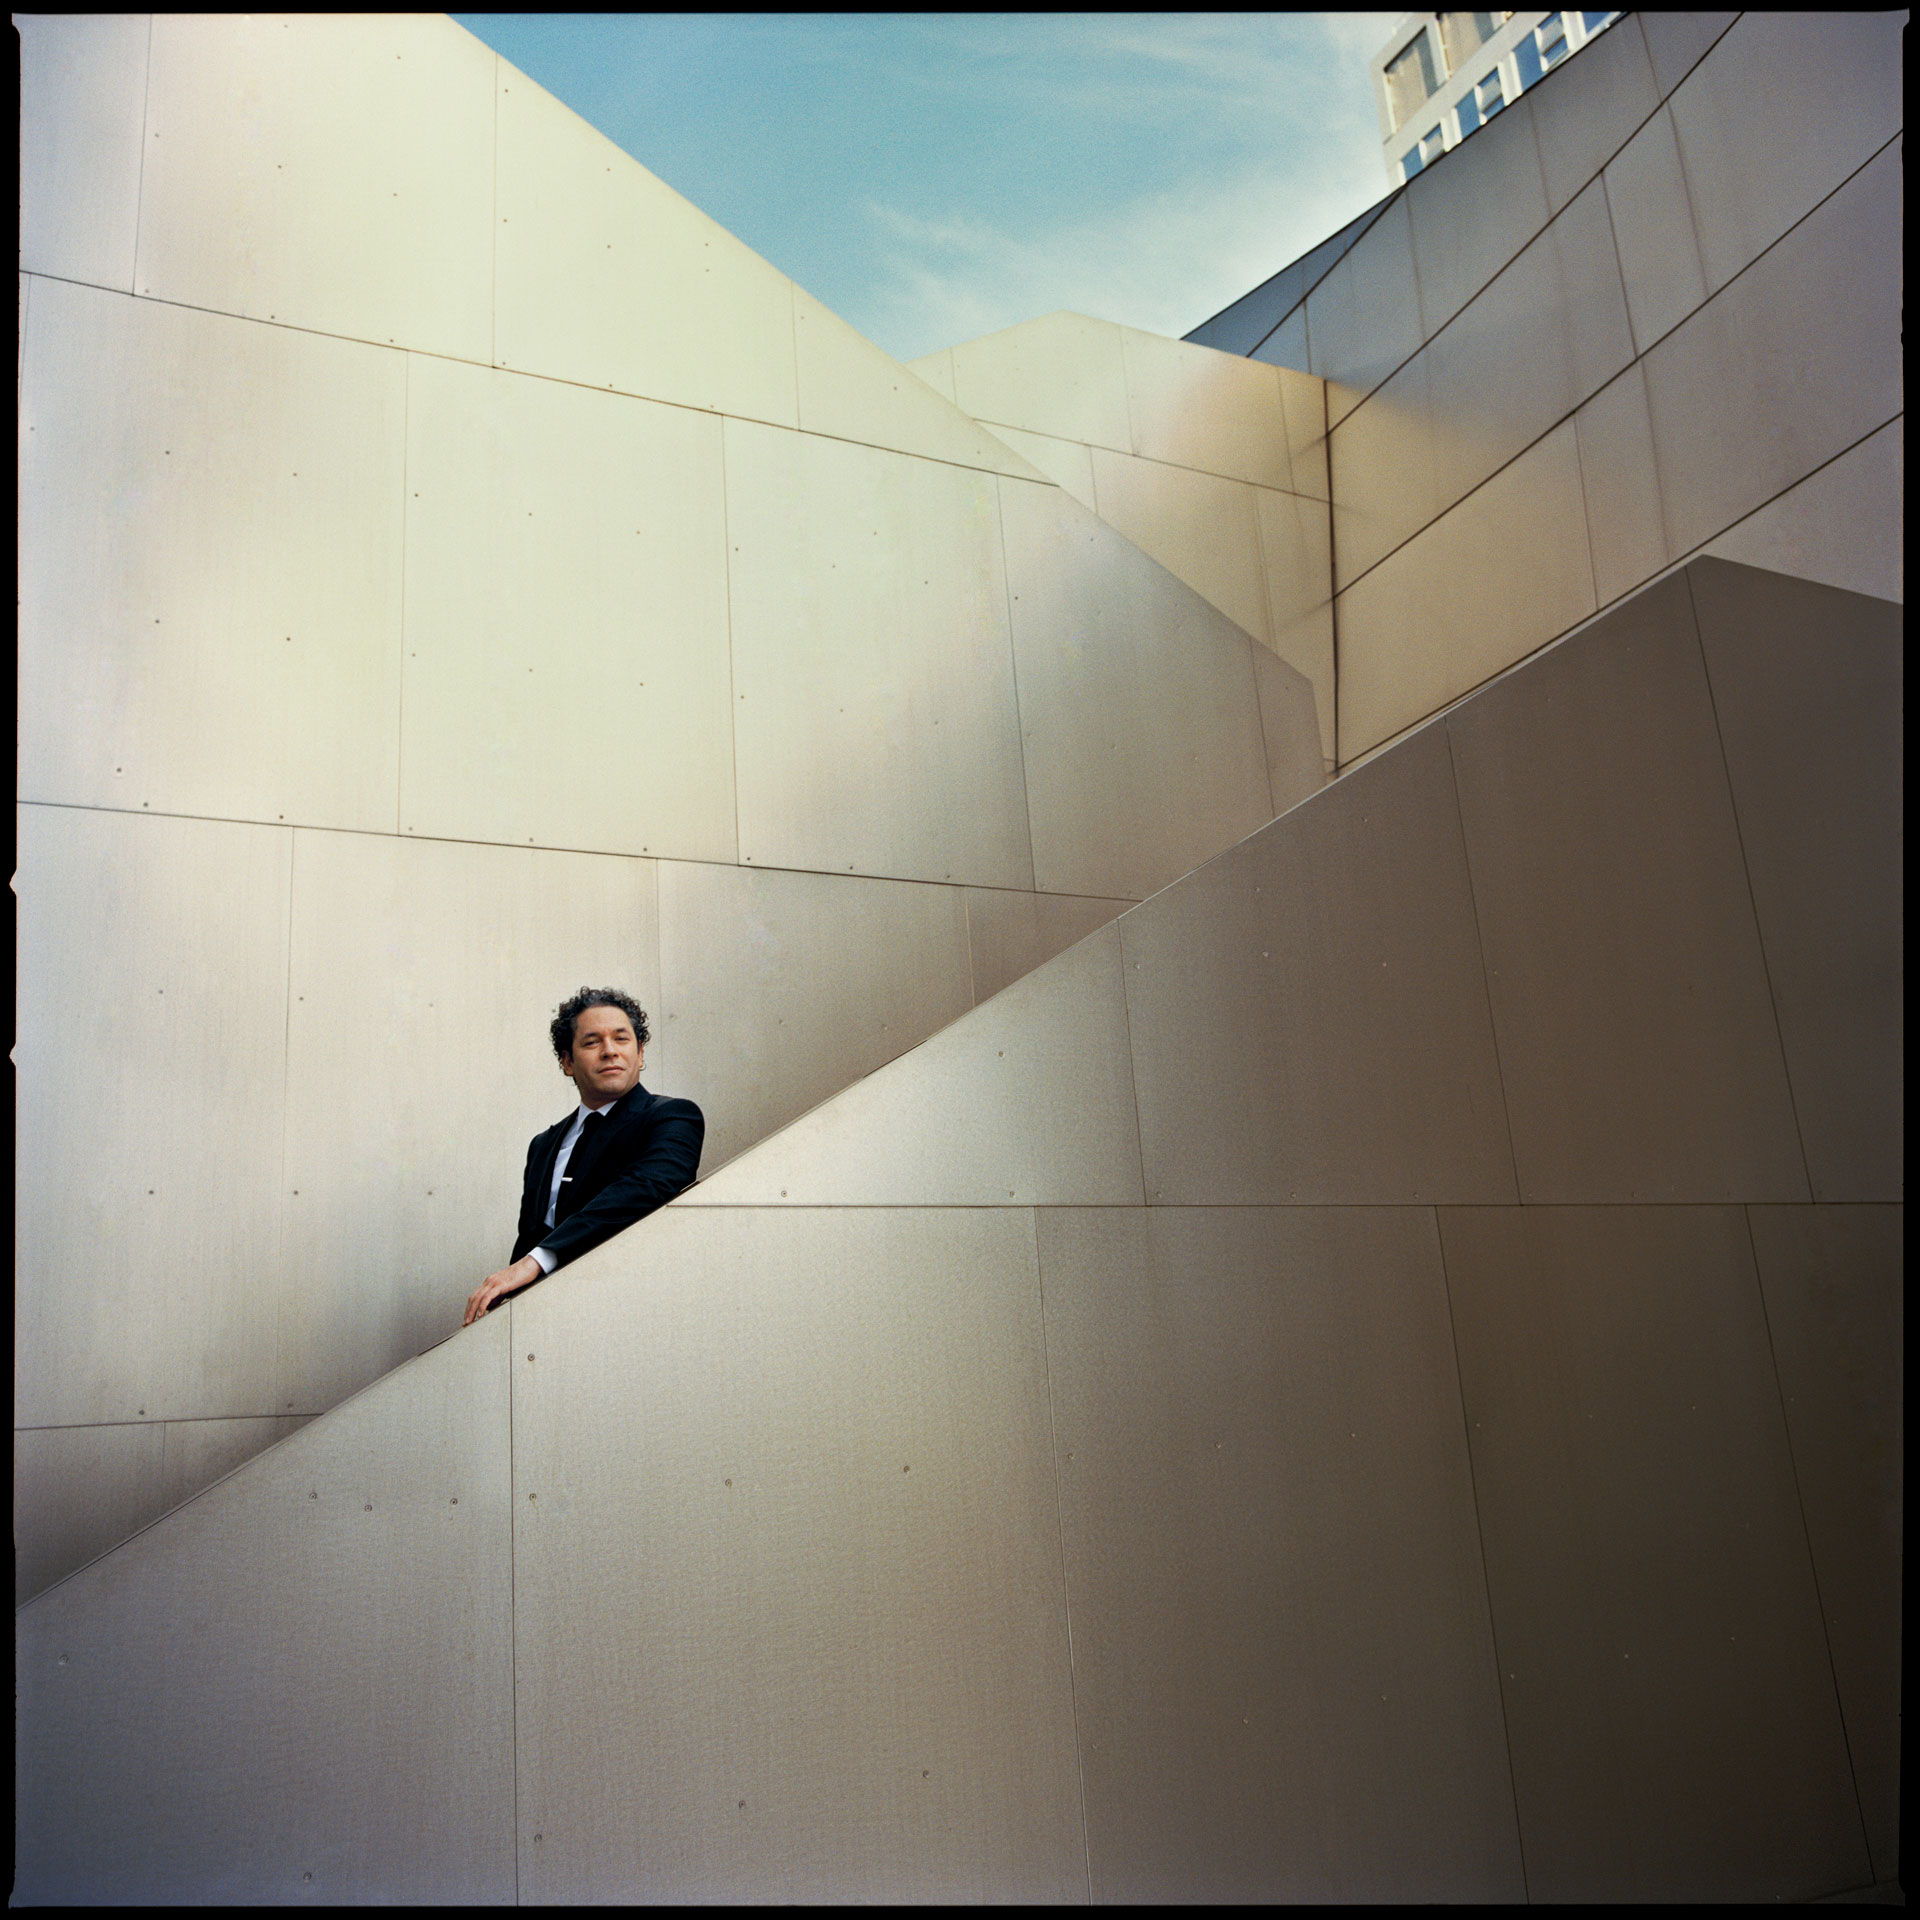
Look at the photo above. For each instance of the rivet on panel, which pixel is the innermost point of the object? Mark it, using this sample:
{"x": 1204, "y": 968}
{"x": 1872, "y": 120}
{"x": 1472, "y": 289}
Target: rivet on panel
{"x": 743, "y": 1803}
{"x": 529, "y": 1356}
{"x": 726, "y": 1483}
{"x": 63, "y": 1659}
{"x": 368, "y": 1508}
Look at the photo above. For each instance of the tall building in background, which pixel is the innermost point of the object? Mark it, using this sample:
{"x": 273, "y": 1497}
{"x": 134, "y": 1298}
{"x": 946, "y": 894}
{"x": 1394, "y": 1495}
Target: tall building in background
{"x": 1442, "y": 76}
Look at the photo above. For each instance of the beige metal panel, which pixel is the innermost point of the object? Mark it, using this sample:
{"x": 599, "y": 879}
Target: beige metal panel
{"x": 1780, "y": 372}
{"x": 1637, "y": 1040}
{"x": 1669, "y": 1704}
{"x": 1470, "y": 217}
{"x": 149, "y": 1217}
{"x": 1197, "y": 525}
{"x": 567, "y": 675}
{"x": 298, "y": 1689}
{"x": 936, "y": 369}
{"x": 1363, "y": 319}
{"x": 1620, "y": 485}
{"x": 1062, "y": 374}
{"x": 1653, "y": 231}
{"x": 1842, "y": 524}
{"x": 1290, "y": 729}
{"x": 849, "y": 388}
{"x": 83, "y": 90}
{"x": 1581, "y": 123}
{"x": 1009, "y": 934}
{"x": 1497, "y": 576}
{"x": 78, "y": 1491}
{"x": 1832, "y": 1278}
{"x": 1137, "y": 706}
{"x": 1748, "y": 185}
{"x": 210, "y": 564}
{"x": 1296, "y": 545}
{"x": 1196, "y": 407}
{"x": 815, "y": 1650}
{"x": 1303, "y": 400}
{"x": 423, "y": 978}
{"x": 1067, "y": 463}
{"x": 1303, "y": 1007}
{"x": 1385, "y": 457}
{"x": 1807, "y": 688}
{"x": 199, "y": 1452}
{"x": 1283, "y": 1667}
{"x": 605, "y": 276}
{"x": 875, "y": 722}
{"x": 778, "y": 989}
{"x": 1675, "y": 41}
{"x": 1028, "y": 1101}
{"x": 327, "y": 170}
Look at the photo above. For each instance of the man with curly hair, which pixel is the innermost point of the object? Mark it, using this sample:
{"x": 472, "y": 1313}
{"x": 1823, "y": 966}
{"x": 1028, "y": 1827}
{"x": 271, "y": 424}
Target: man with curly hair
{"x": 619, "y": 1155}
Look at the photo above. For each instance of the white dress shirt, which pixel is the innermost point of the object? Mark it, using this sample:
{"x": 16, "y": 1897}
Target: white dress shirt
{"x": 548, "y": 1261}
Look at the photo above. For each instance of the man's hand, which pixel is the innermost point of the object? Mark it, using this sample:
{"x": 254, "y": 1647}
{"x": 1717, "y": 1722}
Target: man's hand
{"x": 496, "y": 1286}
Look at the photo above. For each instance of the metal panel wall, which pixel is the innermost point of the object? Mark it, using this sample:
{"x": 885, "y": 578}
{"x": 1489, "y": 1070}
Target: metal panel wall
{"x": 1009, "y": 934}
{"x": 1654, "y": 231}
{"x": 1063, "y": 374}
{"x": 1296, "y": 548}
{"x": 1213, "y": 411}
{"x": 1583, "y": 114}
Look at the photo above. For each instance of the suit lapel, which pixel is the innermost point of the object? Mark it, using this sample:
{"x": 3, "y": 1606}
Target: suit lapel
{"x": 585, "y": 1158}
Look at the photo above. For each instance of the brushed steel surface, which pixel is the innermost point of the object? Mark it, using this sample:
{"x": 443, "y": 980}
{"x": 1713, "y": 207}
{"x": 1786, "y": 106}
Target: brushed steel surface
{"x": 1675, "y": 41}
{"x": 1833, "y": 1281}
{"x": 1620, "y": 486}
{"x": 210, "y": 564}
{"x": 1493, "y": 578}
{"x": 1199, "y": 526}
{"x": 83, "y": 85}
{"x": 1791, "y": 364}
{"x": 1286, "y": 345}
{"x": 158, "y": 948}
{"x": 604, "y": 275}
{"x": 1653, "y": 230}
{"x": 936, "y": 369}
{"x": 1748, "y": 185}
{"x": 567, "y": 679}
{"x": 1283, "y": 1668}
{"x": 1296, "y": 548}
{"x": 1807, "y": 687}
{"x": 1579, "y": 124}
{"x": 788, "y": 1591}
{"x": 1009, "y": 934}
{"x": 1303, "y": 399}
{"x": 1638, "y": 1043}
{"x": 778, "y": 989}
{"x": 1669, "y": 1703}
{"x": 1062, "y": 374}
{"x": 1307, "y": 1013}
{"x": 849, "y": 388}
{"x": 322, "y": 170}
{"x": 1138, "y": 711}
{"x": 1470, "y": 217}
{"x": 1290, "y": 728}
{"x": 299, "y": 1690}
{"x": 1067, "y": 463}
{"x": 1385, "y": 458}
{"x": 1841, "y": 525}
{"x": 1196, "y": 407}
{"x": 1029, "y": 1101}
{"x": 1363, "y": 319}
{"x": 423, "y": 976}
{"x": 78, "y": 1491}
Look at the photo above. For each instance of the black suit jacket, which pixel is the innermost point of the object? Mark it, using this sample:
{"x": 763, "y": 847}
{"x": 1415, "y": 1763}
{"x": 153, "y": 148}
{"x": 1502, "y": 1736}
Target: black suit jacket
{"x": 646, "y": 1150}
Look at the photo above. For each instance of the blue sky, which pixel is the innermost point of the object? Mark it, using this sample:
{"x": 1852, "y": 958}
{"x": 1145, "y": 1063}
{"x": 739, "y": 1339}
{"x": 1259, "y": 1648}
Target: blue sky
{"x": 933, "y": 177}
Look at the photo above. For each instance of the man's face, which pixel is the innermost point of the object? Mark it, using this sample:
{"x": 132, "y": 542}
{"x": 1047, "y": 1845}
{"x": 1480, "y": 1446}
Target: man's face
{"x": 605, "y": 1059}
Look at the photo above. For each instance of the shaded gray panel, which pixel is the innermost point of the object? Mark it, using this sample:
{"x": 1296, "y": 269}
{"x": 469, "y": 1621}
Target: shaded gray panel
{"x": 298, "y": 1688}
{"x": 150, "y": 1203}
{"x": 1012, "y": 933}
{"x": 83, "y": 89}
{"x": 1749, "y": 184}
{"x": 78, "y": 1491}
{"x": 1296, "y": 544}
{"x": 1291, "y": 727}
{"x": 1781, "y": 371}
{"x": 1653, "y": 230}
{"x": 1470, "y": 217}
{"x": 1581, "y": 123}
{"x": 1620, "y": 486}
{"x": 1286, "y": 345}
{"x": 1364, "y": 318}
{"x": 1028, "y": 1100}
{"x": 778, "y": 989}
{"x": 1675, "y": 41}
{"x": 1138, "y": 715}
{"x": 1669, "y": 1702}
{"x": 1385, "y": 458}
{"x": 816, "y": 1649}
{"x": 1807, "y": 684}
{"x": 1637, "y": 1040}
{"x": 1833, "y": 1279}
{"x": 1282, "y": 1661}
{"x": 1308, "y": 1018}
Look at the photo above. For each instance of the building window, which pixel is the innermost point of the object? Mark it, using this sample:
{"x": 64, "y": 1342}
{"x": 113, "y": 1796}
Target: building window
{"x": 1595, "y": 21}
{"x": 1551, "y": 33}
{"x": 1526, "y": 58}
{"x": 1489, "y": 96}
{"x": 1410, "y": 164}
{"x": 1462, "y": 33}
{"x": 1432, "y": 146}
{"x": 1411, "y": 78}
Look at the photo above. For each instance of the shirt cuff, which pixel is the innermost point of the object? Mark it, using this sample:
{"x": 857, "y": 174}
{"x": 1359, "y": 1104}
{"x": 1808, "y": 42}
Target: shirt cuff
{"x": 544, "y": 1260}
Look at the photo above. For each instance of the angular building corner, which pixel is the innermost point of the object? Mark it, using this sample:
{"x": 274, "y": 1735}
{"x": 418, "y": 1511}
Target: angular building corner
{"x": 1250, "y": 1339}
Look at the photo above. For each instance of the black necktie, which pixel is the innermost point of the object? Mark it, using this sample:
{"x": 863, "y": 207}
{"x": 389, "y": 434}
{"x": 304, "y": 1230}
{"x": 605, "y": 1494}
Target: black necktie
{"x": 582, "y": 1142}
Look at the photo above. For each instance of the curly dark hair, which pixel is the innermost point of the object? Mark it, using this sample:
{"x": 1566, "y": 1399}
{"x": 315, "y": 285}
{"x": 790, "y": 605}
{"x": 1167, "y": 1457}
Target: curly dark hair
{"x": 570, "y": 1010}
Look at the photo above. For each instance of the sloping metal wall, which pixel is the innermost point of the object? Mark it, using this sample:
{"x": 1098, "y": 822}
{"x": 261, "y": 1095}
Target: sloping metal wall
{"x": 1368, "y": 1378}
